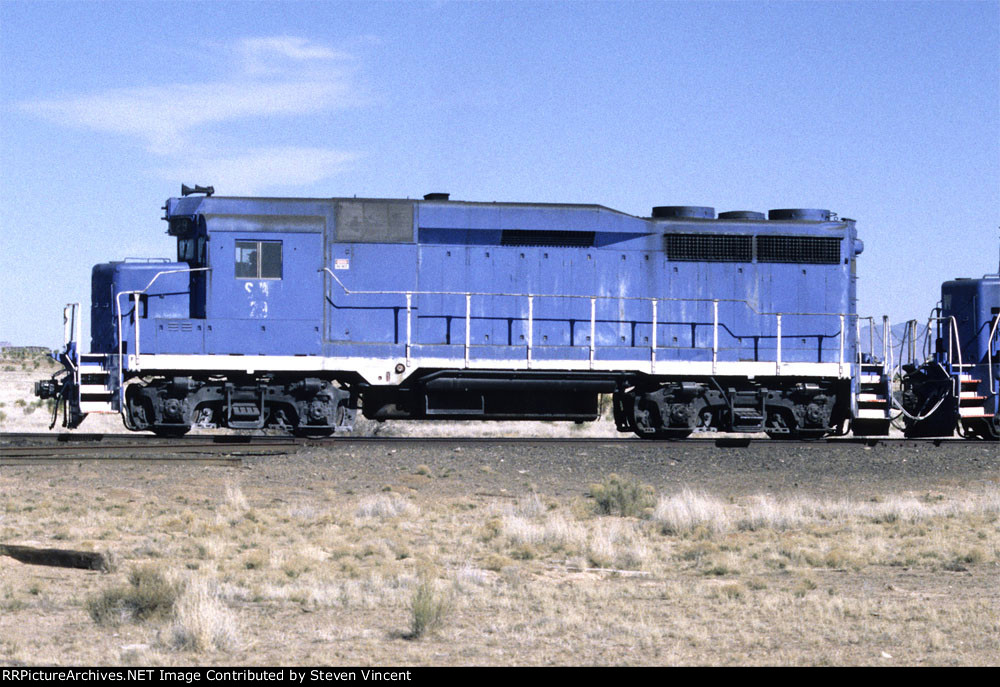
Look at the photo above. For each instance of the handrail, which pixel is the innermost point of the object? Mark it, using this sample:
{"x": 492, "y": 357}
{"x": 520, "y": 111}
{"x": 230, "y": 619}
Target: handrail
{"x": 908, "y": 337}
{"x": 952, "y": 327}
{"x": 871, "y": 336}
{"x": 989, "y": 351}
{"x": 71, "y": 332}
{"x": 953, "y": 332}
{"x": 118, "y": 306}
{"x": 565, "y": 295}
{"x": 653, "y": 300}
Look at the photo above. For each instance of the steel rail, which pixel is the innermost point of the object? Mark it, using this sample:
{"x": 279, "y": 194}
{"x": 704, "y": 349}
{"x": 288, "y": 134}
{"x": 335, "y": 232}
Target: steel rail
{"x": 197, "y": 444}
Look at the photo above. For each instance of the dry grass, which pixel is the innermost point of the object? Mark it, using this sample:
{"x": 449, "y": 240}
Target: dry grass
{"x": 384, "y": 506}
{"x": 148, "y": 595}
{"x": 326, "y": 576}
{"x": 690, "y": 511}
{"x": 622, "y": 496}
{"x": 203, "y": 622}
{"x": 428, "y": 609}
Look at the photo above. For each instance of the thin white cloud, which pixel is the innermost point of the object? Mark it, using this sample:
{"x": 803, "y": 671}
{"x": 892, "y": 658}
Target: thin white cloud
{"x": 163, "y": 116}
{"x": 261, "y": 169}
{"x": 293, "y": 47}
{"x": 278, "y": 77}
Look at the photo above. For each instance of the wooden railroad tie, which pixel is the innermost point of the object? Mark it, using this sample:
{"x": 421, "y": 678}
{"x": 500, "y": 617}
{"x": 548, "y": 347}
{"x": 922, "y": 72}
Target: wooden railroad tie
{"x": 60, "y": 558}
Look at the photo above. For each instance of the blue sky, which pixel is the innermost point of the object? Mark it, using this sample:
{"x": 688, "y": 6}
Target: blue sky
{"x": 886, "y": 112}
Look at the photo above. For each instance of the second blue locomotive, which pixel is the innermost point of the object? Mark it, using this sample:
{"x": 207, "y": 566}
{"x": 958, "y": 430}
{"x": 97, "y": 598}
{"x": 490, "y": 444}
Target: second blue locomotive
{"x": 952, "y": 381}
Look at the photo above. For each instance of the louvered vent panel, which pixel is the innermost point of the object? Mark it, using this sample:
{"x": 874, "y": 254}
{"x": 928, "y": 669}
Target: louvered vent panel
{"x": 709, "y": 248}
{"x": 815, "y": 250}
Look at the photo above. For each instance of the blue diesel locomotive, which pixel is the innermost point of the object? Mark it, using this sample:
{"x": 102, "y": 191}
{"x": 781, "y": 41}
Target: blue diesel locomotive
{"x": 295, "y": 313}
{"x": 953, "y": 381}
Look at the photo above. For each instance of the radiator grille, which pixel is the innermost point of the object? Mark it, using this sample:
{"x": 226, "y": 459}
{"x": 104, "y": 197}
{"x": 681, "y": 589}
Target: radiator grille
{"x": 709, "y": 248}
{"x": 798, "y": 249}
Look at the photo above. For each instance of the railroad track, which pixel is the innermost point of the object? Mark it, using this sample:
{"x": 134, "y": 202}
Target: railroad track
{"x": 23, "y": 448}
{"x": 46, "y": 448}
{"x": 47, "y": 459}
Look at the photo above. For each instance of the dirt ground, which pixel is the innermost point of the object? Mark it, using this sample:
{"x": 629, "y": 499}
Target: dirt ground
{"x": 788, "y": 556}
{"x": 616, "y": 553}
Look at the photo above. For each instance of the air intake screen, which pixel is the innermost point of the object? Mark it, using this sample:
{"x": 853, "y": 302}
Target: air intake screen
{"x": 709, "y": 248}
{"x": 524, "y": 237}
{"x": 798, "y": 249}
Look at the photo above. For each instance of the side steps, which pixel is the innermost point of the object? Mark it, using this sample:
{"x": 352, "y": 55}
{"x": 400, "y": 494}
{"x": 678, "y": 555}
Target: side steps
{"x": 872, "y": 417}
{"x": 970, "y": 403}
{"x": 96, "y": 393}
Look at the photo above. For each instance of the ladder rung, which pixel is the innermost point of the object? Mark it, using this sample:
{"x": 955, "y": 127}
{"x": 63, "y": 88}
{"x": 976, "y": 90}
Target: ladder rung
{"x": 96, "y": 407}
{"x": 871, "y": 398}
{"x": 870, "y": 414}
{"x": 95, "y": 390}
{"x": 973, "y": 412}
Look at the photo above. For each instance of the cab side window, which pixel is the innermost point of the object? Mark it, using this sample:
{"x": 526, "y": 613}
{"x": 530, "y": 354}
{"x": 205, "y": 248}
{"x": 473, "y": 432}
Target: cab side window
{"x": 258, "y": 259}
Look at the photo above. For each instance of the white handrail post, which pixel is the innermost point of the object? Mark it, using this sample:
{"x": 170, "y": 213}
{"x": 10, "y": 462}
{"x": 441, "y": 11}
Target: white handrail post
{"x": 67, "y": 324}
{"x": 890, "y": 370}
{"x": 842, "y": 332}
{"x": 857, "y": 340}
{"x": 956, "y": 382}
{"x": 715, "y": 335}
{"x": 468, "y": 325}
{"x": 409, "y": 306}
{"x": 77, "y": 317}
{"x": 135, "y": 319}
{"x": 989, "y": 350}
{"x": 652, "y": 348}
{"x": 121, "y": 361}
{"x": 885, "y": 338}
{"x": 958, "y": 344}
{"x": 951, "y": 359}
{"x": 778, "y": 362}
{"x": 531, "y": 322}
{"x": 593, "y": 329}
